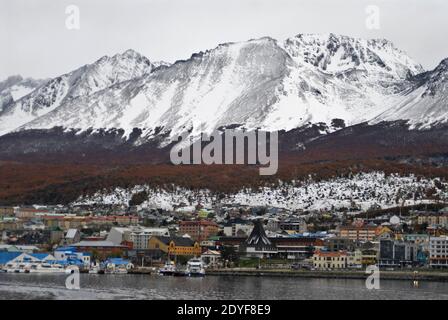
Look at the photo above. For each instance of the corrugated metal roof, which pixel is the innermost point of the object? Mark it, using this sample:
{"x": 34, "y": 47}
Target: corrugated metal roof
{"x": 71, "y": 233}
{"x": 95, "y": 244}
{"x": 5, "y": 257}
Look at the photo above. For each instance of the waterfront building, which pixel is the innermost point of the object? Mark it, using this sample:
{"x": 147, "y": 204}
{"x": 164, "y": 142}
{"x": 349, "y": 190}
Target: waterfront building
{"x": 330, "y": 260}
{"x": 211, "y": 257}
{"x": 199, "y": 230}
{"x": 176, "y": 246}
{"x": 258, "y": 245}
{"x": 6, "y": 257}
{"x": 297, "y": 246}
{"x": 354, "y": 259}
{"x": 18, "y": 257}
{"x": 438, "y": 252}
{"x": 71, "y": 254}
{"x": 395, "y": 253}
{"x": 100, "y": 249}
{"x": 34, "y": 257}
{"x": 290, "y": 247}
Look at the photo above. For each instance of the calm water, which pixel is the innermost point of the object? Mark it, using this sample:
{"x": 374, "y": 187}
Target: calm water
{"x": 30, "y": 286}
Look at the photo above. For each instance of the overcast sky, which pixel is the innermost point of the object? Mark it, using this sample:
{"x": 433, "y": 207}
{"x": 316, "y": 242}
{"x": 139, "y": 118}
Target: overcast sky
{"x": 35, "y": 41}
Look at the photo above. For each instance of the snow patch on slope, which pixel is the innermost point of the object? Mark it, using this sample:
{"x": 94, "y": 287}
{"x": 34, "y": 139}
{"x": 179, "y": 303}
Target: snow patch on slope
{"x": 358, "y": 192}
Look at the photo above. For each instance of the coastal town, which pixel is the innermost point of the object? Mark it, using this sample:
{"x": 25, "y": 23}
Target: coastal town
{"x": 198, "y": 240}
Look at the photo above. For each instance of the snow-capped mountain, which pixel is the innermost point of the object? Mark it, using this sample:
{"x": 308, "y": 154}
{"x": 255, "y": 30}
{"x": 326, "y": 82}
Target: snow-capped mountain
{"x": 16, "y": 87}
{"x": 341, "y": 55}
{"x": 259, "y": 83}
{"x": 82, "y": 82}
{"x": 427, "y": 104}
{"x": 364, "y": 77}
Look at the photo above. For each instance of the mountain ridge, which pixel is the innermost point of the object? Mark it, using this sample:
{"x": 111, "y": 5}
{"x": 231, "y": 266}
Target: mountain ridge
{"x": 260, "y": 83}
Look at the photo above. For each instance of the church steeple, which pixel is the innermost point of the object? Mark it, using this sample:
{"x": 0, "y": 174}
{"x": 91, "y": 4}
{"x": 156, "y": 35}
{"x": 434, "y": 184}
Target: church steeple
{"x": 258, "y": 242}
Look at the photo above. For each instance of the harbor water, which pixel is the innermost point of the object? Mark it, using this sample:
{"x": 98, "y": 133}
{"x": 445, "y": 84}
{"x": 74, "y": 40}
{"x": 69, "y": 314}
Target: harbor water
{"x": 93, "y": 286}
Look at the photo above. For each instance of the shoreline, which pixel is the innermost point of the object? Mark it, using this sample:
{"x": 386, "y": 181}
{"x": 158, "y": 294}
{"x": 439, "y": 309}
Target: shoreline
{"x": 423, "y": 275}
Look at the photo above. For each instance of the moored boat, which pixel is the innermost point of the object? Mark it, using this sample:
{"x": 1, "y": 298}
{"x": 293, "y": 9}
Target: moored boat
{"x": 195, "y": 268}
{"x": 169, "y": 269}
{"x": 46, "y": 268}
{"x": 95, "y": 269}
{"x": 34, "y": 268}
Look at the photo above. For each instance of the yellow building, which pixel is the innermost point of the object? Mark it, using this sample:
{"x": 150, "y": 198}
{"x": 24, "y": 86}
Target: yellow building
{"x": 354, "y": 259}
{"x": 384, "y": 232}
{"x": 178, "y": 246}
{"x": 433, "y": 219}
{"x": 330, "y": 260}
{"x": 358, "y": 233}
{"x": 369, "y": 257}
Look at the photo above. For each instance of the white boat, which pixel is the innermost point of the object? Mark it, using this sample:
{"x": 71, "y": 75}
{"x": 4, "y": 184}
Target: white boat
{"x": 195, "y": 268}
{"x": 16, "y": 268}
{"x": 94, "y": 269}
{"x": 46, "y": 268}
{"x": 168, "y": 269}
{"x": 121, "y": 270}
{"x": 116, "y": 269}
{"x": 34, "y": 268}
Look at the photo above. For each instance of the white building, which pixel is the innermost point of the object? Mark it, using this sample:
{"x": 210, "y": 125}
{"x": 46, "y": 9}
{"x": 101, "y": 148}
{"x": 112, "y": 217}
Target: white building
{"x": 139, "y": 236}
{"x": 211, "y": 257}
{"x": 239, "y": 229}
{"x": 330, "y": 260}
{"x": 438, "y": 252}
{"x": 69, "y": 253}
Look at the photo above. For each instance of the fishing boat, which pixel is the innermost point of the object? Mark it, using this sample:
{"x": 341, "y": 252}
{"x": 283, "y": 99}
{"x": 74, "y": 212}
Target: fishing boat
{"x": 195, "y": 268}
{"x": 169, "y": 269}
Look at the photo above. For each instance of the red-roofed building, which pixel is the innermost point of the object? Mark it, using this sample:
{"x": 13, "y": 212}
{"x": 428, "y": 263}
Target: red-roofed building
{"x": 330, "y": 260}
